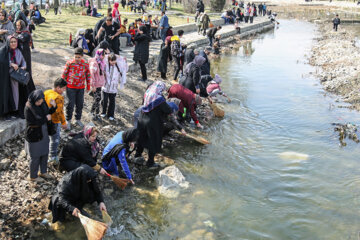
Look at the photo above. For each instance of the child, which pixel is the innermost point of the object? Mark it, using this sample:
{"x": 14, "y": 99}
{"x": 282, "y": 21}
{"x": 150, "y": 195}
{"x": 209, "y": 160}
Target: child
{"x": 214, "y": 87}
{"x": 336, "y": 22}
{"x": 76, "y": 74}
{"x": 57, "y": 117}
{"x": 47, "y": 7}
{"x": 97, "y": 72}
{"x": 115, "y": 72}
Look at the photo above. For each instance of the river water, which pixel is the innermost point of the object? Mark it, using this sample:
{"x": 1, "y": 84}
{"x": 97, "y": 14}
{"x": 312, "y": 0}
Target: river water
{"x": 243, "y": 185}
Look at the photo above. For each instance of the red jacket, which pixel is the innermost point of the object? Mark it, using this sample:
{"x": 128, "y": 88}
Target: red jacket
{"x": 187, "y": 98}
{"x": 76, "y": 74}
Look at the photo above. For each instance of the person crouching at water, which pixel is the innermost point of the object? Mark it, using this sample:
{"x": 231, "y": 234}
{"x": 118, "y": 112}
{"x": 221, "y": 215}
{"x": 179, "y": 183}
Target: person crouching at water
{"x": 171, "y": 122}
{"x": 82, "y": 150}
{"x": 151, "y": 123}
{"x": 336, "y": 22}
{"x": 75, "y": 189}
{"x": 214, "y": 89}
{"x": 188, "y": 104}
{"x": 115, "y": 152}
{"x": 192, "y": 74}
{"x": 37, "y": 114}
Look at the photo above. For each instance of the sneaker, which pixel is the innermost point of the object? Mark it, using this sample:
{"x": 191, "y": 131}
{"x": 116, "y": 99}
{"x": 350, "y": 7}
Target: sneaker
{"x": 103, "y": 115}
{"x": 79, "y": 123}
{"x": 36, "y": 180}
{"x": 111, "y": 118}
{"x": 68, "y": 123}
{"x": 46, "y": 176}
{"x": 53, "y": 159}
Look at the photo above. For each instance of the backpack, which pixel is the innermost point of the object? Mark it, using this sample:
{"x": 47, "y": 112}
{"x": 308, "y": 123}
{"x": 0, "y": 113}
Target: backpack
{"x": 175, "y": 48}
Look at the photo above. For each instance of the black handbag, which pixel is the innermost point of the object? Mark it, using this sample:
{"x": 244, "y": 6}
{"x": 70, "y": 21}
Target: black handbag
{"x": 21, "y": 76}
{"x": 51, "y": 128}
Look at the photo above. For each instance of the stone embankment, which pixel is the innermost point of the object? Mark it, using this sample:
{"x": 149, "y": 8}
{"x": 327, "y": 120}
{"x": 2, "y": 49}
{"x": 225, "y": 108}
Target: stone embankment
{"x": 23, "y": 205}
{"x": 338, "y": 58}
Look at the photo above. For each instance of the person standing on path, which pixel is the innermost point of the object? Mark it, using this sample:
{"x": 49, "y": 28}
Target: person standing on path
{"x": 37, "y": 114}
{"x": 211, "y": 34}
{"x": 336, "y": 22}
{"x": 97, "y": 72}
{"x": 177, "y": 51}
{"x": 264, "y": 9}
{"x": 112, "y": 32}
{"x": 58, "y": 117}
{"x": 141, "y": 52}
{"x": 164, "y": 25}
{"x": 76, "y": 74}
{"x": 205, "y": 20}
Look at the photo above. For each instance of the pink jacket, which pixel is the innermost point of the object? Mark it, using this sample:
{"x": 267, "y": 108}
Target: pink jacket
{"x": 97, "y": 80}
{"x": 213, "y": 86}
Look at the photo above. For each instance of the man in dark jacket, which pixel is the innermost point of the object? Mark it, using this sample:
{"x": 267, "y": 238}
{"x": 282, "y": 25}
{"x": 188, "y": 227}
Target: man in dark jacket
{"x": 200, "y": 7}
{"x": 112, "y": 32}
{"x": 211, "y": 34}
{"x": 336, "y": 22}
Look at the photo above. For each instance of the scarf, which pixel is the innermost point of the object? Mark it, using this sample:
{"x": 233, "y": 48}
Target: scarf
{"x": 95, "y": 146}
{"x": 32, "y": 99}
{"x": 198, "y": 61}
{"x": 217, "y": 79}
{"x": 24, "y": 30}
{"x": 12, "y": 51}
{"x": 5, "y": 21}
{"x": 153, "y": 96}
{"x": 100, "y": 62}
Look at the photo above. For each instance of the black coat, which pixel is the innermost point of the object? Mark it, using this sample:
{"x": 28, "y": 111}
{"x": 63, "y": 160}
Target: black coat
{"x": 141, "y": 53}
{"x": 74, "y": 191}
{"x": 205, "y": 68}
{"x": 200, "y": 6}
{"x": 189, "y": 56}
{"x": 212, "y": 31}
{"x": 163, "y": 58}
{"x": 192, "y": 78}
{"x": 6, "y": 98}
{"x": 77, "y": 150}
{"x": 24, "y": 39}
{"x": 150, "y": 127}
{"x": 96, "y": 30}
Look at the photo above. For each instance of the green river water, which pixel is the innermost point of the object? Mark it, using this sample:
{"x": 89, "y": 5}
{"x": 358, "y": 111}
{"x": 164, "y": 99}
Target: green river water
{"x": 243, "y": 185}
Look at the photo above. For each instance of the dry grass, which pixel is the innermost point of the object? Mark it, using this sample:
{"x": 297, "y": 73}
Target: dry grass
{"x": 55, "y": 32}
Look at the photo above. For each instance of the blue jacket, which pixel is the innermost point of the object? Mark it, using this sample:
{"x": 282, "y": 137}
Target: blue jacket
{"x": 164, "y": 22}
{"x": 111, "y": 166}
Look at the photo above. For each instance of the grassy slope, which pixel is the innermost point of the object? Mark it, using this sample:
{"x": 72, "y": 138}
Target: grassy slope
{"x": 55, "y": 32}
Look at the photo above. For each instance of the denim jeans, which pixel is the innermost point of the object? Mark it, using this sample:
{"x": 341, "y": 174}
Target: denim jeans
{"x": 163, "y": 33}
{"x": 55, "y": 140}
{"x": 128, "y": 36}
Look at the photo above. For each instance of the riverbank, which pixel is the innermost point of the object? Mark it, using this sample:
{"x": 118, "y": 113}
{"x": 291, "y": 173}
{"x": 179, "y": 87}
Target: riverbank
{"x": 24, "y": 205}
{"x": 337, "y": 58}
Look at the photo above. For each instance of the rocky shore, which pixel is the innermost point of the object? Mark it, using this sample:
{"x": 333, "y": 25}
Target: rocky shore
{"x": 338, "y": 59}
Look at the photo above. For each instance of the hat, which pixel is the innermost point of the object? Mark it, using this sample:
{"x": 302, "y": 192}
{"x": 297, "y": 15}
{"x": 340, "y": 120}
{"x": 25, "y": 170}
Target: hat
{"x": 173, "y": 106}
{"x": 79, "y": 51}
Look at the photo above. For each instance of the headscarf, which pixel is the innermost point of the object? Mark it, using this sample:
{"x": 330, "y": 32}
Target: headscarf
{"x": 3, "y": 11}
{"x": 12, "y": 51}
{"x": 153, "y": 96}
{"x": 217, "y": 79}
{"x": 23, "y": 26}
{"x": 130, "y": 135}
{"x": 95, "y": 146}
{"x": 100, "y": 62}
{"x": 79, "y": 32}
{"x": 198, "y": 61}
{"x": 38, "y": 111}
{"x": 116, "y": 5}
{"x": 173, "y": 106}
{"x": 143, "y": 29}
{"x": 35, "y": 96}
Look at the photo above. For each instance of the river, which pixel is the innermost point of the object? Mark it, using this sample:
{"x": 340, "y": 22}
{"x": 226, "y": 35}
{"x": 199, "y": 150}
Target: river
{"x": 243, "y": 185}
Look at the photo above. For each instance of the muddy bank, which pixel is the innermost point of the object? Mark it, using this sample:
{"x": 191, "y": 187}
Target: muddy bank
{"x": 338, "y": 59}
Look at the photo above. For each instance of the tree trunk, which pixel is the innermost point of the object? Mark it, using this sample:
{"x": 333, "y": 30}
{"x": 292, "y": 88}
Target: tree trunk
{"x": 91, "y": 3}
{"x": 189, "y": 6}
{"x": 108, "y": 3}
{"x": 40, "y": 4}
{"x": 169, "y": 4}
{"x": 99, "y": 4}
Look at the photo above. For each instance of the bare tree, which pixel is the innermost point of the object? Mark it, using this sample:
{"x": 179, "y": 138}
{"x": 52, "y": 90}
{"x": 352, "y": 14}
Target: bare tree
{"x": 189, "y": 6}
{"x": 99, "y": 4}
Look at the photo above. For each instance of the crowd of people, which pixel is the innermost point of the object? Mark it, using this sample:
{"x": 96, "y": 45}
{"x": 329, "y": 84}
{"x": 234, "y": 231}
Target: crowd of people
{"x": 101, "y": 76}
